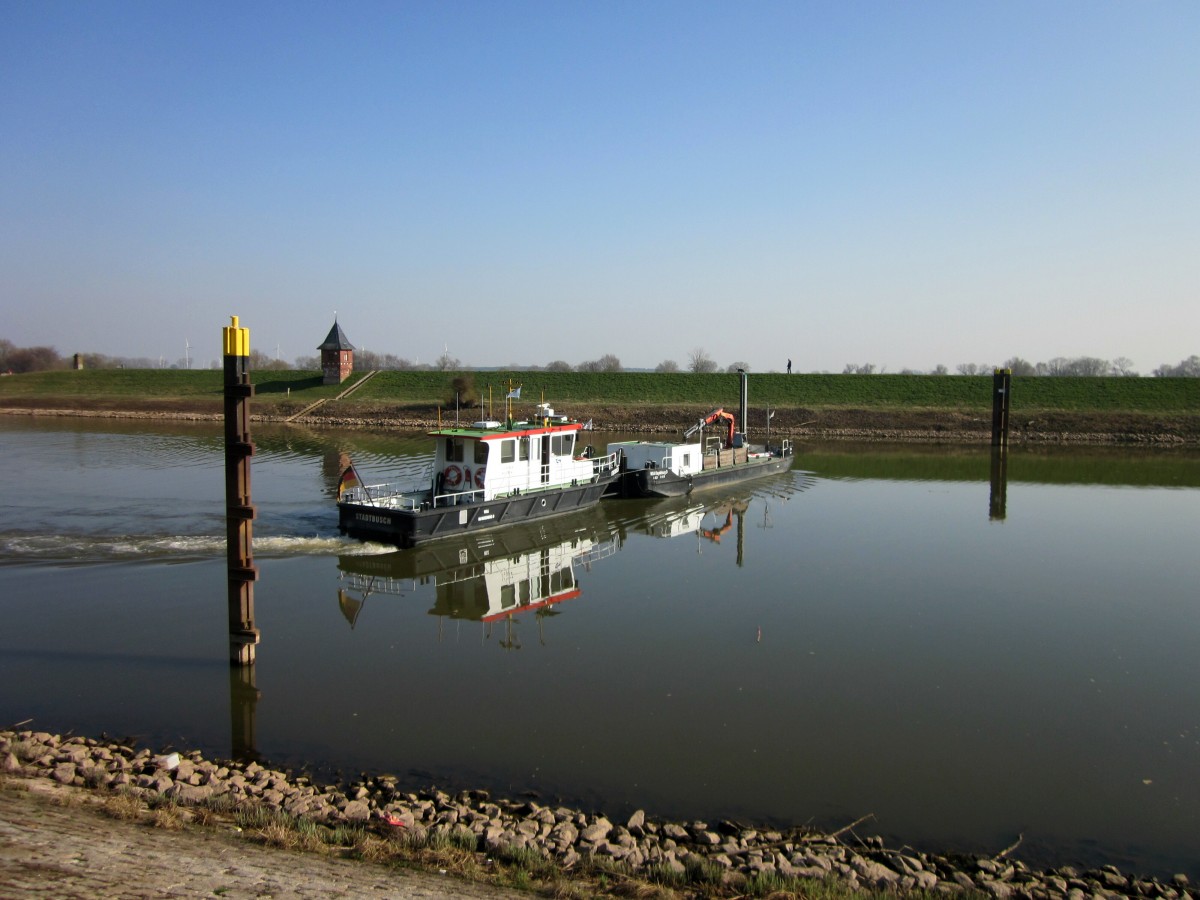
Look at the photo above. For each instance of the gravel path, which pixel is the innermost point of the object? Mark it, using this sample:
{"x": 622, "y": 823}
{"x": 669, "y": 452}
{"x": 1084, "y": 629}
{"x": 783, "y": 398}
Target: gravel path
{"x": 55, "y": 843}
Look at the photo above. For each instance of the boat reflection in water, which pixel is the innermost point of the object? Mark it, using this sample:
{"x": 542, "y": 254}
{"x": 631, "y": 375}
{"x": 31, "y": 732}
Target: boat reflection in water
{"x": 487, "y": 577}
{"x": 720, "y": 517}
{"x": 530, "y": 568}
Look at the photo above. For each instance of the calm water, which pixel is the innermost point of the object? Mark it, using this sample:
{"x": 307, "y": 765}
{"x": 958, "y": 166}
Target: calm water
{"x": 883, "y": 630}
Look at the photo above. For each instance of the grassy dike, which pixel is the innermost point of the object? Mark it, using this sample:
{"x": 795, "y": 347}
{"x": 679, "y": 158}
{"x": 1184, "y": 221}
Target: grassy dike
{"x": 1105, "y": 410}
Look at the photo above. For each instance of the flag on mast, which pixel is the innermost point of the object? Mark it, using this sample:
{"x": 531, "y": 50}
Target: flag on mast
{"x": 349, "y": 480}
{"x": 514, "y": 394}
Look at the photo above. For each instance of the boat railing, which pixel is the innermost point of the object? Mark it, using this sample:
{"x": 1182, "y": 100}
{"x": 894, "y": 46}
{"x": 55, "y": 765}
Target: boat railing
{"x": 602, "y": 550}
{"x": 385, "y": 495}
{"x": 607, "y": 464}
{"x": 457, "y": 498}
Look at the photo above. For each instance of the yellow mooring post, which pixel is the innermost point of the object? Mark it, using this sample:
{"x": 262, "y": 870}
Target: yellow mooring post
{"x": 239, "y": 511}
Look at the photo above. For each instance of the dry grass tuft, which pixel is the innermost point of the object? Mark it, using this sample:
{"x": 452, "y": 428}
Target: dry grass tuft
{"x": 125, "y": 807}
{"x": 277, "y": 834}
{"x": 68, "y": 799}
{"x": 373, "y": 849}
{"x": 170, "y": 818}
{"x": 205, "y": 817}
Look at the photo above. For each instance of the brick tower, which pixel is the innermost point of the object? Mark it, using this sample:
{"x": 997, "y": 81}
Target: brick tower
{"x": 337, "y": 356}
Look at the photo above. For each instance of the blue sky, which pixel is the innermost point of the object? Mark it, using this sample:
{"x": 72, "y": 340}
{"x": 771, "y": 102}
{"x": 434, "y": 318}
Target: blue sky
{"x": 904, "y": 184}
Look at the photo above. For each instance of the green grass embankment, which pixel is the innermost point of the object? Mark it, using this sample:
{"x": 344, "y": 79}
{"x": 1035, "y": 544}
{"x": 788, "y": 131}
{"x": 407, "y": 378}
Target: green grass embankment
{"x": 294, "y": 389}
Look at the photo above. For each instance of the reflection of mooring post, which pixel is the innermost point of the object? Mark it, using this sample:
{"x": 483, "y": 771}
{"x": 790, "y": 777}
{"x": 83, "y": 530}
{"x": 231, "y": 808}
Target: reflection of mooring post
{"x": 998, "y": 499}
{"x": 243, "y": 713}
{"x": 239, "y": 512}
{"x": 1001, "y": 395}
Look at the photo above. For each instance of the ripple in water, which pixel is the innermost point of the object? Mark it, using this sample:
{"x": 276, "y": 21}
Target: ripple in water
{"x": 87, "y": 549}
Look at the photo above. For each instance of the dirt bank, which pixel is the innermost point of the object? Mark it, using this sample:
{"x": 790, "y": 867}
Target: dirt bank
{"x": 910, "y": 425}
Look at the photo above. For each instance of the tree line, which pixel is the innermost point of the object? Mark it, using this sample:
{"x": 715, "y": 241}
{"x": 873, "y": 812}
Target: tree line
{"x": 1079, "y": 366}
{"x": 17, "y": 360}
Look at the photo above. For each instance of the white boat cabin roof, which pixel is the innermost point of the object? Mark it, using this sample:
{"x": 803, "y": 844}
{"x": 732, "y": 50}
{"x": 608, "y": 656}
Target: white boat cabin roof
{"x": 492, "y": 431}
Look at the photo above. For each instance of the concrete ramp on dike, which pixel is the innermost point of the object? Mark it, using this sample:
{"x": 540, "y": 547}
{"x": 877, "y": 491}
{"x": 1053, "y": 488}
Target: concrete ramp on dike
{"x": 342, "y": 396}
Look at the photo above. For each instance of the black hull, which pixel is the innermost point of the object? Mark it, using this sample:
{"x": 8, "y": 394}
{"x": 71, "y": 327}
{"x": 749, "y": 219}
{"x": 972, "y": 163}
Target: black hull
{"x": 408, "y": 528}
{"x": 664, "y": 483}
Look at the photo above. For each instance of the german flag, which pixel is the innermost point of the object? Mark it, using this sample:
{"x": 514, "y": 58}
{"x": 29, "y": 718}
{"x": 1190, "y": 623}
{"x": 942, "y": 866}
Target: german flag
{"x": 349, "y": 480}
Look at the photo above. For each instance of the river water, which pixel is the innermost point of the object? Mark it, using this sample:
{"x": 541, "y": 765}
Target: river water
{"x": 967, "y": 654}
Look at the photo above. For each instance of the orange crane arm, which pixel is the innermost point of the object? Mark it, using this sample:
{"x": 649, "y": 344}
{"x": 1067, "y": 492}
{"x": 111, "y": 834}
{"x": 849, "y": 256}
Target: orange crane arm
{"x": 712, "y": 417}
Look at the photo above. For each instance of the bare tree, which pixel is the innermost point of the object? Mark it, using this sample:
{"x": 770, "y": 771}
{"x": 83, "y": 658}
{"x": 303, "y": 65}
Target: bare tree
{"x": 973, "y": 369}
{"x": 446, "y": 362}
{"x": 1091, "y": 367}
{"x": 1020, "y": 366}
{"x": 700, "y": 362}
{"x": 667, "y": 365}
{"x": 1188, "y": 368}
{"x": 864, "y": 369}
{"x": 558, "y": 365}
{"x": 607, "y": 363}
{"x": 29, "y": 359}
{"x": 1086, "y": 366}
{"x": 261, "y": 362}
{"x": 736, "y": 366}
{"x": 1123, "y": 366}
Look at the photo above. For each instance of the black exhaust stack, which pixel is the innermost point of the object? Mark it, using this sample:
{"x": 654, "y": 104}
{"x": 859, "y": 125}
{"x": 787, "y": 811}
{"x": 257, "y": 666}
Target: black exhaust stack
{"x": 742, "y": 410}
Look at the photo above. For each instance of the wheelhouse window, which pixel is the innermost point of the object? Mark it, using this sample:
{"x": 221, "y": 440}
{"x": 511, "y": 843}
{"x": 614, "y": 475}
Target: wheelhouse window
{"x": 481, "y": 453}
{"x": 454, "y": 449}
{"x": 562, "y": 444}
{"x": 508, "y": 450}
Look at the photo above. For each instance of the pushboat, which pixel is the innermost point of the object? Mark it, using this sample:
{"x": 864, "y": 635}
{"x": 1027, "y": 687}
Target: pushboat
{"x": 677, "y": 468}
{"x": 483, "y": 476}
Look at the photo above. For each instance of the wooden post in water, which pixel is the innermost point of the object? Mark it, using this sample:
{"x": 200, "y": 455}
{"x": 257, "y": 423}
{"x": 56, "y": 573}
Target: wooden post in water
{"x": 1001, "y": 395}
{"x": 239, "y": 511}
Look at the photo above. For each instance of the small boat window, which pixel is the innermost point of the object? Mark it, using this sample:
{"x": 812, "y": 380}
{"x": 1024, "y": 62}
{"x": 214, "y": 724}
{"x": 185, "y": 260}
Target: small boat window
{"x": 562, "y": 444}
{"x": 481, "y": 453}
{"x": 523, "y": 449}
{"x": 454, "y": 450}
{"x": 562, "y": 580}
{"x": 508, "y": 450}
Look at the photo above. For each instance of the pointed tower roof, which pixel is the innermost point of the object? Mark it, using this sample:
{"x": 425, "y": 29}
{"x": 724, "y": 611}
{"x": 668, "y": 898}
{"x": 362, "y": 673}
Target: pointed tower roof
{"x": 337, "y": 339}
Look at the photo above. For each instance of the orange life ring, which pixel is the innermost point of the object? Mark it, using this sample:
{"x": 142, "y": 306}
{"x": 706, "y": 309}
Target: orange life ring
{"x": 479, "y": 477}
{"x": 453, "y": 476}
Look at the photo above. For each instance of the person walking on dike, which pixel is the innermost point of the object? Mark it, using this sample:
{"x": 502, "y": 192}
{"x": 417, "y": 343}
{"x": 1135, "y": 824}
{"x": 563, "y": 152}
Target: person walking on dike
{"x": 789, "y": 367}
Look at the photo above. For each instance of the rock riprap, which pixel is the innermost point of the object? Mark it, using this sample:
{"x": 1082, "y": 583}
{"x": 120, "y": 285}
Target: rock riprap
{"x": 724, "y": 851}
